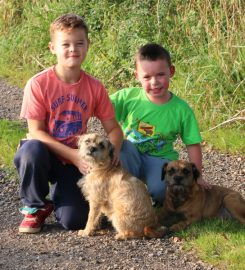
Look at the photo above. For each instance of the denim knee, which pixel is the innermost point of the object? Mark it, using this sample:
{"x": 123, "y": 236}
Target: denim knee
{"x": 130, "y": 158}
{"x": 157, "y": 192}
{"x": 31, "y": 151}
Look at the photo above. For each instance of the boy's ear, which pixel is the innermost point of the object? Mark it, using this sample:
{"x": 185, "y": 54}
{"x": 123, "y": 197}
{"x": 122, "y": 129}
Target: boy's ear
{"x": 172, "y": 71}
{"x": 136, "y": 74}
{"x": 51, "y": 47}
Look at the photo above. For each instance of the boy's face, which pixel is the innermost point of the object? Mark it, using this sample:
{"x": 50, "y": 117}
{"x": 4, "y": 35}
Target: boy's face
{"x": 154, "y": 77}
{"x": 70, "y": 47}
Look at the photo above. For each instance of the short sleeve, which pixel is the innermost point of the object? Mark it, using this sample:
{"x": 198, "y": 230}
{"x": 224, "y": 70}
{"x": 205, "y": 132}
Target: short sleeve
{"x": 33, "y": 105}
{"x": 103, "y": 109}
{"x": 115, "y": 99}
{"x": 190, "y": 133}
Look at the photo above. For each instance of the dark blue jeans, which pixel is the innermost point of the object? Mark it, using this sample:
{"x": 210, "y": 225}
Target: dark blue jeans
{"x": 40, "y": 172}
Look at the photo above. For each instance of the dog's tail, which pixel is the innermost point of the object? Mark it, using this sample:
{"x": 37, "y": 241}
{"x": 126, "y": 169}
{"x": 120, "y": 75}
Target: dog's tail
{"x": 155, "y": 232}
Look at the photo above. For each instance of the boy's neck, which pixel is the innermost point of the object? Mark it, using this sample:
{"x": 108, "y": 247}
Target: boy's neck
{"x": 160, "y": 100}
{"x": 67, "y": 75}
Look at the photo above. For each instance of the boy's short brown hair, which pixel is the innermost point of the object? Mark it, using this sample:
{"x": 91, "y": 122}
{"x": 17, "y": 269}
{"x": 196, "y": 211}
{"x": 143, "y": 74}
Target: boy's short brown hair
{"x": 67, "y": 22}
{"x": 152, "y": 52}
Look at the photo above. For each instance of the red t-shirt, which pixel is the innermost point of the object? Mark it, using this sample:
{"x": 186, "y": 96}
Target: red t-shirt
{"x": 65, "y": 108}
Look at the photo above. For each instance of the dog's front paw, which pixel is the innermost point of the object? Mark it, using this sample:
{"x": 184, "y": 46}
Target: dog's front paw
{"x": 84, "y": 233}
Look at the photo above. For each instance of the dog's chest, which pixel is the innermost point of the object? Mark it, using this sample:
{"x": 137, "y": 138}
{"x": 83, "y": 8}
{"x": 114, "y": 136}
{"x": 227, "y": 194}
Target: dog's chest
{"x": 177, "y": 203}
{"x": 95, "y": 188}
{"x": 177, "y": 199}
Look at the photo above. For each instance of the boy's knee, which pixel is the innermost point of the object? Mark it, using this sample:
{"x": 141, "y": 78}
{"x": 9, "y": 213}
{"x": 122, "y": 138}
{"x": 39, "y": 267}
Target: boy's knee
{"x": 126, "y": 148}
{"x": 130, "y": 158}
{"x": 31, "y": 151}
{"x": 158, "y": 193}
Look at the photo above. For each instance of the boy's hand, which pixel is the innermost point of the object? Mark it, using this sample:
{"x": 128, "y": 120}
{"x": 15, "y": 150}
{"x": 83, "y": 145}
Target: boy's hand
{"x": 203, "y": 183}
{"x": 83, "y": 167}
{"x": 116, "y": 160}
{"x": 80, "y": 164}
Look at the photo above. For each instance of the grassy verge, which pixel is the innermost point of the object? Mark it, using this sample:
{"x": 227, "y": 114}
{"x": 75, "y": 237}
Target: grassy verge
{"x": 10, "y": 134}
{"x": 227, "y": 140}
{"x": 218, "y": 242}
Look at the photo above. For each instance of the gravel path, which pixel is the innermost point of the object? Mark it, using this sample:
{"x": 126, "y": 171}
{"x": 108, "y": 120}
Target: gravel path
{"x": 55, "y": 248}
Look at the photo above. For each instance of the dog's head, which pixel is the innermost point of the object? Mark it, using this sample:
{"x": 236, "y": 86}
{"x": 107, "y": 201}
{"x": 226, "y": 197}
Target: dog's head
{"x": 180, "y": 174}
{"x": 95, "y": 149}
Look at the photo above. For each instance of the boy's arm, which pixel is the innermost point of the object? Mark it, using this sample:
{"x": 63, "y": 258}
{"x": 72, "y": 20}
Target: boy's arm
{"x": 195, "y": 156}
{"x": 37, "y": 131}
{"x": 115, "y": 135}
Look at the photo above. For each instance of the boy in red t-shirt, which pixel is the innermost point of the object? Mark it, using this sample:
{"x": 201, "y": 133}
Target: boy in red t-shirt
{"x": 57, "y": 104}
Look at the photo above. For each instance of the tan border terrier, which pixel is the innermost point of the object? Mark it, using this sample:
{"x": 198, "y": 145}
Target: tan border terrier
{"x": 115, "y": 193}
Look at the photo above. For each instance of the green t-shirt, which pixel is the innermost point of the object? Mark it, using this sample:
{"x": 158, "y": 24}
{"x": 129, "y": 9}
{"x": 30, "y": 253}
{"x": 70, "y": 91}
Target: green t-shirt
{"x": 154, "y": 128}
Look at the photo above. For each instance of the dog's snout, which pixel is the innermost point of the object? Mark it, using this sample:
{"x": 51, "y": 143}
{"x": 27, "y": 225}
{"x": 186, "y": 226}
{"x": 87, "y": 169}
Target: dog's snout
{"x": 178, "y": 178}
{"x": 92, "y": 149}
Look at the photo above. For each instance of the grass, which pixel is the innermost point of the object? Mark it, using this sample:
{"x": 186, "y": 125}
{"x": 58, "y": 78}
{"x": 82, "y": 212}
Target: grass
{"x": 10, "y": 134}
{"x": 226, "y": 140}
{"x": 218, "y": 242}
{"x": 206, "y": 41}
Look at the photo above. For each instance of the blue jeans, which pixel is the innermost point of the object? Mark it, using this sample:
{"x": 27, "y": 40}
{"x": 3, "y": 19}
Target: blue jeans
{"x": 145, "y": 167}
{"x": 38, "y": 168}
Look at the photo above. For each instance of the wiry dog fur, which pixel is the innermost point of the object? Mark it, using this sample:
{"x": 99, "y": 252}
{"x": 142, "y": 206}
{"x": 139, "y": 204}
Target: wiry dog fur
{"x": 115, "y": 193}
{"x": 186, "y": 197}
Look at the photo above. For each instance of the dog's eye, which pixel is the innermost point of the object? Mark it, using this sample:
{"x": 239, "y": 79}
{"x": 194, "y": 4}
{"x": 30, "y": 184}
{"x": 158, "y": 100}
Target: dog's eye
{"x": 171, "y": 171}
{"x": 101, "y": 145}
{"x": 87, "y": 141}
{"x": 186, "y": 171}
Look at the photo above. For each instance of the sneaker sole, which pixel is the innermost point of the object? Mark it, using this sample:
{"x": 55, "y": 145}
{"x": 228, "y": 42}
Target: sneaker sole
{"x": 29, "y": 230}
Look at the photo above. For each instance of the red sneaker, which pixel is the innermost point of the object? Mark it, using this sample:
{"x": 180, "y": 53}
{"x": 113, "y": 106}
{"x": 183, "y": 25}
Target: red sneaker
{"x": 32, "y": 223}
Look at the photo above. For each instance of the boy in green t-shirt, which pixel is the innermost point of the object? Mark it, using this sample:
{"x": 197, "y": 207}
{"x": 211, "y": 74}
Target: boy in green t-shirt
{"x": 152, "y": 117}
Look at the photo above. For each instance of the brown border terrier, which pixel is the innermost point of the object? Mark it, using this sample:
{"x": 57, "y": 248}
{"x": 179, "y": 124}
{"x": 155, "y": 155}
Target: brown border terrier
{"x": 184, "y": 196}
{"x": 115, "y": 193}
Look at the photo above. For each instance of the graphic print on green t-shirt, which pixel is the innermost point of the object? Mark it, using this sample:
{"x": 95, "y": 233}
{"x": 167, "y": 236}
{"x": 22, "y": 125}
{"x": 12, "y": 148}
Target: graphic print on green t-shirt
{"x": 145, "y": 138}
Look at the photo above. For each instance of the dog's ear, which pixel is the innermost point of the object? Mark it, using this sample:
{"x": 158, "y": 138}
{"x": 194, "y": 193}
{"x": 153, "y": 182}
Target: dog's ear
{"x": 111, "y": 149}
{"x": 164, "y": 167}
{"x": 195, "y": 171}
{"x": 79, "y": 140}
